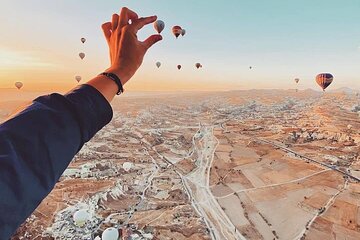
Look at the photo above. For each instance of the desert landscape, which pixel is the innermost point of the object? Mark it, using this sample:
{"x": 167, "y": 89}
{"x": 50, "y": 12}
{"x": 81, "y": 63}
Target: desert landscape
{"x": 255, "y": 164}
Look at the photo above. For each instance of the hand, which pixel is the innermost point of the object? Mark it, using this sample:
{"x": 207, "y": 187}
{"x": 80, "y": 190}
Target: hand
{"x": 126, "y": 51}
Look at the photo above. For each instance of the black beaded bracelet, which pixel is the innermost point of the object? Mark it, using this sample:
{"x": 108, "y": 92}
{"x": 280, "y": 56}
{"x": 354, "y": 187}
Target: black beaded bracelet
{"x": 116, "y": 79}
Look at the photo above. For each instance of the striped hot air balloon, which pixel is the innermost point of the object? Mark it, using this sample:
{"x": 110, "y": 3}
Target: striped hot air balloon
{"x": 324, "y": 80}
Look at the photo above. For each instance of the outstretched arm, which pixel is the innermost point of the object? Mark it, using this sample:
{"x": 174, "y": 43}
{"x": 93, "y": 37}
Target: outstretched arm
{"x": 37, "y": 144}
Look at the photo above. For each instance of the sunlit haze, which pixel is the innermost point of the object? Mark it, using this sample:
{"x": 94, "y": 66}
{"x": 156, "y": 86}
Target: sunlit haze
{"x": 281, "y": 40}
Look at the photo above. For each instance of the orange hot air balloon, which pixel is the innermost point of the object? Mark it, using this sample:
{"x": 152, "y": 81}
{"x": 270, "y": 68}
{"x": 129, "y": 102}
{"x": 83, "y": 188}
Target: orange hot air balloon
{"x": 198, "y": 65}
{"x": 324, "y": 80}
{"x": 82, "y": 55}
{"x": 19, "y": 85}
{"x": 179, "y": 67}
{"x": 177, "y": 30}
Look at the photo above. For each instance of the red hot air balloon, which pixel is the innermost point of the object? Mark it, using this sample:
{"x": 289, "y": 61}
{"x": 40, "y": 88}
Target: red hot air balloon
{"x": 324, "y": 80}
{"x": 179, "y": 67}
{"x": 176, "y": 30}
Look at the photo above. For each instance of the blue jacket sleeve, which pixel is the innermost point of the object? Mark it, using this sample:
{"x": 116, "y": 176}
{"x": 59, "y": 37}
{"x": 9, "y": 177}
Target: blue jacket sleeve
{"x": 37, "y": 145}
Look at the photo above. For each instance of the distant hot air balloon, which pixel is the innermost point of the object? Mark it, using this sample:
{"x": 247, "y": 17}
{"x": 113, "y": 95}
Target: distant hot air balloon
{"x": 183, "y": 32}
{"x": 179, "y": 67}
{"x": 198, "y": 65}
{"x": 80, "y": 217}
{"x": 19, "y": 85}
{"x": 83, "y": 40}
{"x": 176, "y": 30}
{"x": 250, "y": 67}
{"x": 158, "y": 64}
{"x": 297, "y": 80}
{"x": 82, "y": 55}
{"x": 324, "y": 80}
{"x": 159, "y": 26}
{"x": 78, "y": 78}
{"x": 110, "y": 234}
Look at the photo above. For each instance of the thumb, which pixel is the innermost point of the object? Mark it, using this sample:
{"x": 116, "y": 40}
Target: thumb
{"x": 152, "y": 40}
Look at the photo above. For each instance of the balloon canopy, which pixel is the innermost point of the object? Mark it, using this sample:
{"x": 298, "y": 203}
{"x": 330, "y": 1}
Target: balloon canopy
{"x": 179, "y": 67}
{"x": 110, "y": 234}
{"x": 158, "y": 64}
{"x": 80, "y": 217}
{"x": 183, "y": 32}
{"x": 177, "y": 30}
{"x": 78, "y": 78}
{"x": 19, "y": 85}
{"x": 324, "y": 80}
{"x": 83, "y": 40}
{"x": 159, "y": 26}
{"x": 82, "y": 55}
{"x": 297, "y": 80}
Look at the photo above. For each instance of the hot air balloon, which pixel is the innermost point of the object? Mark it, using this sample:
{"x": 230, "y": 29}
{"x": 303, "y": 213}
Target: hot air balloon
{"x": 19, "y": 85}
{"x": 179, "y": 67}
{"x": 83, "y": 40}
{"x": 80, "y": 217}
{"x": 198, "y": 65}
{"x": 110, "y": 234}
{"x": 250, "y": 67}
{"x": 324, "y": 80}
{"x": 176, "y": 30}
{"x": 78, "y": 78}
{"x": 159, "y": 26}
{"x": 297, "y": 80}
{"x": 183, "y": 32}
{"x": 158, "y": 64}
{"x": 82, "y": 55}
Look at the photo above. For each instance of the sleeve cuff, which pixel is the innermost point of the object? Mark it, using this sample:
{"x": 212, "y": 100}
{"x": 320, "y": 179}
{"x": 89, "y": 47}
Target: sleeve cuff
{"x": 92, "y": 108}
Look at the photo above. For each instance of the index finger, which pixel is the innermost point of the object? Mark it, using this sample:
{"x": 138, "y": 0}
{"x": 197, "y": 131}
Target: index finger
{"x": 141, "y": 22}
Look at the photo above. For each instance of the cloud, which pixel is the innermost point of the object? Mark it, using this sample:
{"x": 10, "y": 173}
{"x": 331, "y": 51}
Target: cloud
{"x": 10, "y": 59}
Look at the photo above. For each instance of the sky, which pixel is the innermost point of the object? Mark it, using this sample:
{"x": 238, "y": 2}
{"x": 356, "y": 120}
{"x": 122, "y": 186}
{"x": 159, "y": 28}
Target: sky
{"x": 280, "y": 39}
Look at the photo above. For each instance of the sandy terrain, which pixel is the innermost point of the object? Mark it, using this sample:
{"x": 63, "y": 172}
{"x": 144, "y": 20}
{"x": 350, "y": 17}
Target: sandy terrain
{"x": 258, "y": 164}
